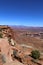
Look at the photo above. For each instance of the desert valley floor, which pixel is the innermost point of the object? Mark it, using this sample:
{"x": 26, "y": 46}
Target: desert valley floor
{"x": 17, "y": 43}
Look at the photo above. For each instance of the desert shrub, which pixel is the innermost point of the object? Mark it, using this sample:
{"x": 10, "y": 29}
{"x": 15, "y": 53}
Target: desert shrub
{"x": 16, "y": 55}
{"x": 35, "y": 54}
{"x": 0, "y": 30}
{"x": 1, "y": 35}
{"x": 15, "y": 52}
{"x": 9, "y": 40}
{"x": 3, "y": 58}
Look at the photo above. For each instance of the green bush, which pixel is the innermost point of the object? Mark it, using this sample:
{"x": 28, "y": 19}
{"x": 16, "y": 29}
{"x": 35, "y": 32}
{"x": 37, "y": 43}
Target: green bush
{"x": 1, "y": 35}
{"x": 0, "y": 30}
{"x": 15, "y": 52}
{"x": 35, "y": 54}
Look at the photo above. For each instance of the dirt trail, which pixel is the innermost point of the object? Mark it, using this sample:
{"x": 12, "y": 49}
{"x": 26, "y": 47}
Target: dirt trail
{"x": 26, "y": 46}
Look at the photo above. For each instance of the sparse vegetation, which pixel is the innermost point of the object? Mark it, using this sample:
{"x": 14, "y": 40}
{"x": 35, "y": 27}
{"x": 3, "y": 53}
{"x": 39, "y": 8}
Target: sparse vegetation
{"x": 2, "y": 57}
{"x": 0, "y": 30}
{"x": 15, "y": 52}
{"x": 9, "y": 40}
{"x": 35, "y": 54}
{"x": 14, "y": 38}
{"x": 1, "y": 35}
{"x": 16, "y": 55}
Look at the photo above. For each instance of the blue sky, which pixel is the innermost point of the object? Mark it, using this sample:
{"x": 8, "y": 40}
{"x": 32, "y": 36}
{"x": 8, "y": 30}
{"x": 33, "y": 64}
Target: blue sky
{"x": 21, "y": 12}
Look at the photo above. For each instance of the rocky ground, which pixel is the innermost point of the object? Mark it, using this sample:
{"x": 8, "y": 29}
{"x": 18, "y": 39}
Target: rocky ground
{"x": 10, "y": 43}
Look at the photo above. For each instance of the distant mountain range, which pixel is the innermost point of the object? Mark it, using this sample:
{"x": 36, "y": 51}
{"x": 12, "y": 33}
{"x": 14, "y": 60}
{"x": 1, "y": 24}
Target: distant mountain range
{"x": 35, "y": 29}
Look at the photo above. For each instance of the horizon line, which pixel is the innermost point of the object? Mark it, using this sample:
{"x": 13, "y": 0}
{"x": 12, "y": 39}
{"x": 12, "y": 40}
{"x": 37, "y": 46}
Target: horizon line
{"x": 19, "y": 25}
